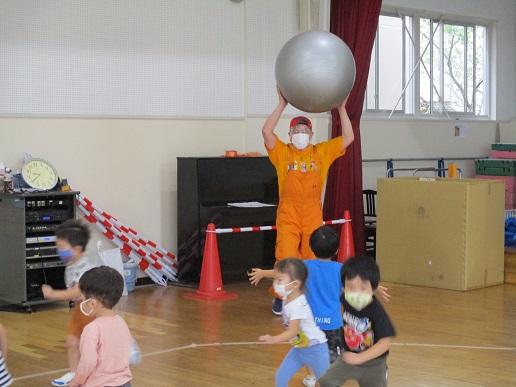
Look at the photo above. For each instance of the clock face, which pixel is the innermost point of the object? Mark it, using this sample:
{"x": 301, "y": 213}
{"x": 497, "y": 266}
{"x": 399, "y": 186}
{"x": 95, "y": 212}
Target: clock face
{"x": 39, "y": 174}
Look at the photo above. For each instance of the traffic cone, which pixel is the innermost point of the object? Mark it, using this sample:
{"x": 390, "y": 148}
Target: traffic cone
{"x": 210, "y": 286}
{"x": 346, "y": 245}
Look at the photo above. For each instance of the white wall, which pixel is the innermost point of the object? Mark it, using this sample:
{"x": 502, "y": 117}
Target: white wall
{"x": 405, "y": 139}
{"x": 508, "y": 132}
{"x": 128, "y": 166}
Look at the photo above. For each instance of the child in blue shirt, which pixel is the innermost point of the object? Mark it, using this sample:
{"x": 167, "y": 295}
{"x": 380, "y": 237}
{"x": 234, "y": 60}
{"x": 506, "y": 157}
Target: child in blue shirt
{"x": 324, "y": 287}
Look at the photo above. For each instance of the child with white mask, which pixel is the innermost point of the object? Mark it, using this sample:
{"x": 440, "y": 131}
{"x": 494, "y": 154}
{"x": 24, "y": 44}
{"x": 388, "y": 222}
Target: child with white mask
{"x": 308, "y": 342}
{"x": 105, "y": 344}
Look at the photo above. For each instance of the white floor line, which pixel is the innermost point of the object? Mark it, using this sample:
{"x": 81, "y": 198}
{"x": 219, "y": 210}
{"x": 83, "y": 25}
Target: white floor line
{"x": 195, "y": 345}
{"x": 244, "y": 343}
{"x": 487, "y": 348}
{"x": 31, "y": 376}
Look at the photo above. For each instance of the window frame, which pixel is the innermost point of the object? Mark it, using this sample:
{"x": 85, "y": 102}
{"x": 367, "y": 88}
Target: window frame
{"x": 410, "y": 105}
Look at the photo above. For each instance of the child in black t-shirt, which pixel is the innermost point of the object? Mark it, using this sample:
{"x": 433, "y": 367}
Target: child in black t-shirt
{"x": 367, "y": 329}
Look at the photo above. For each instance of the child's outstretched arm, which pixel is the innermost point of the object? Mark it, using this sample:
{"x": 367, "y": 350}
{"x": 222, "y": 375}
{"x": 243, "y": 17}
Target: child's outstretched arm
{"x": 3, "y": 341}
{"x": 256, "y": 275}
{"x": 383, "y": 292}
{"x": 376, "y": 350}
{"x": 291, "y": 332}
{"x": 61, "y": 295}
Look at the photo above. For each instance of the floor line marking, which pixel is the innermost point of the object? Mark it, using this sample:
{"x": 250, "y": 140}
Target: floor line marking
{"x": 244, "y": 343}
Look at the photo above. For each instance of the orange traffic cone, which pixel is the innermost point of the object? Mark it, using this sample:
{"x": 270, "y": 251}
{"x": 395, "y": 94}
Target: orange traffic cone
{"x": 210, "y": 287}
{"x": 346, "y": 245}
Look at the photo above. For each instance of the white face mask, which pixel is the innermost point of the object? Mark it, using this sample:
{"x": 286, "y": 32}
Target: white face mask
{"x": 281, "y": 290}
{"x": 300, "y": 140}
{"x": 358, "y": 300}
{"x": 83, "y": 309}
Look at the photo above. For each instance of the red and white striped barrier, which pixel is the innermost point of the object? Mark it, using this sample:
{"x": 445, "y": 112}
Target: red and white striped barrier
{"x": 153, "y": 271}
{"x": 242, "y": 229}
{"x": 336, "y": 221}
{"x": 94, "y": 215}
{"x": 266, "y": 228}
{"x": 148, "y": 244}
{"x": 144, "y": 265}
{"x": 156, "y": 262}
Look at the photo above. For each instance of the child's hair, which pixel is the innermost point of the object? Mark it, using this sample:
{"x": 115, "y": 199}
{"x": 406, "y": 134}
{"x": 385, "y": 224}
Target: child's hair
{"x": 324, "y": 242}
{"x": 74, "y": 232}
{"x": 363, "y": 267}
{"x": 104, "y": 284}
{"x": 295, "y": 268}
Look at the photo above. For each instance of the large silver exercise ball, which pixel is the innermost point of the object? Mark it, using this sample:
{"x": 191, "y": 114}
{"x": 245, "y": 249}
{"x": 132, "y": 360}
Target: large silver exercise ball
{"x": 315, "y": 71}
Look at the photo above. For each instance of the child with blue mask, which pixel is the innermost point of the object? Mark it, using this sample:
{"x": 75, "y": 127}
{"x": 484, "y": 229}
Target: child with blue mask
{"x": 71, "y": 239}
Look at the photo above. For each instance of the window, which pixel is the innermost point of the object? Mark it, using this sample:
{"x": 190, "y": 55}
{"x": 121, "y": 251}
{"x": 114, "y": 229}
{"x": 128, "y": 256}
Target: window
{"x": 387, "y": 74}
{"x": 424, "y": 66}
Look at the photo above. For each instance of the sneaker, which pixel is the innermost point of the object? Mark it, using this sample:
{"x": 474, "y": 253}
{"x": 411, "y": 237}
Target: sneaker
{"x": 309, "y": 381}
{"x": 277, "y": 306}
{"x": 64, "y": 380}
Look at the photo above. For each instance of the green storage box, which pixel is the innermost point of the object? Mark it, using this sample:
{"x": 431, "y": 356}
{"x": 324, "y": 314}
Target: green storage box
{"x": 497, "y": 167}
{"x": 504, "y": 147}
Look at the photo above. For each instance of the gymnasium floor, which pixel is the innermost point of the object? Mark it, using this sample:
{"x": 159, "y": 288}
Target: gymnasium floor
{"x": 445, "y": 338}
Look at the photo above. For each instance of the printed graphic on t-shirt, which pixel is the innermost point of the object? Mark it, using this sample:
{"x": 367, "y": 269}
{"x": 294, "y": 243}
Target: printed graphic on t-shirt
{"x": 302, "y": 166}
{"x": 300, "y": 341}
{"x": 308, "y": 333}
{"x": 358, "y": 332}
{"x": 322, "y": 320}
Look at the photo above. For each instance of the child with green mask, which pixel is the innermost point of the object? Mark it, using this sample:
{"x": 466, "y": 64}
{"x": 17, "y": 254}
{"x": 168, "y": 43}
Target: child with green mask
{"x": 367, "y": 329}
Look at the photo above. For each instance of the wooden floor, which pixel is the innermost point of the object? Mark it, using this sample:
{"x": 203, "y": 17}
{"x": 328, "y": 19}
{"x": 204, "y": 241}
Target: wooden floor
{"x": 445, "y": 338}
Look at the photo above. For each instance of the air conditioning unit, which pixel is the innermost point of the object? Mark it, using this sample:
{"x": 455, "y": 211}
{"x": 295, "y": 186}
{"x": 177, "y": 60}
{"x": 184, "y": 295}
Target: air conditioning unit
{"x": 314, "y": 15}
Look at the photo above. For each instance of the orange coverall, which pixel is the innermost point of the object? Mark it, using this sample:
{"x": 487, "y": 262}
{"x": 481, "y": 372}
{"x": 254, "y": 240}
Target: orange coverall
{"x": 301, "y": 178}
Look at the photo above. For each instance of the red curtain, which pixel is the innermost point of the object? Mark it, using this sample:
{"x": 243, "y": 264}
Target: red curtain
{"x": 355, "y": 22}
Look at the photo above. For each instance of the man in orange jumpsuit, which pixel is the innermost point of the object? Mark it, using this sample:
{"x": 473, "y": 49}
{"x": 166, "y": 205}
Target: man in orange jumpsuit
{"x": 302, "y": 169}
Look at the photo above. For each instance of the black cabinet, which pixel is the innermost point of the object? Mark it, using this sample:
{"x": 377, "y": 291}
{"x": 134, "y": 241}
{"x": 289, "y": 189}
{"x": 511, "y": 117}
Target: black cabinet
{"x": 205, "y": 186}
{"x": 28, "y": 254}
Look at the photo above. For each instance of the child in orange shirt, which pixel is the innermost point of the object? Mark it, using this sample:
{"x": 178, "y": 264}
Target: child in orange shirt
{"x": 72, "y": 238}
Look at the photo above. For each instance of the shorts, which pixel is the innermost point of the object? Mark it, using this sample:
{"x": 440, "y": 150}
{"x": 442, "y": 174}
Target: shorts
{"x": 78, "y": 321}
{"x": 335, "y": 339}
